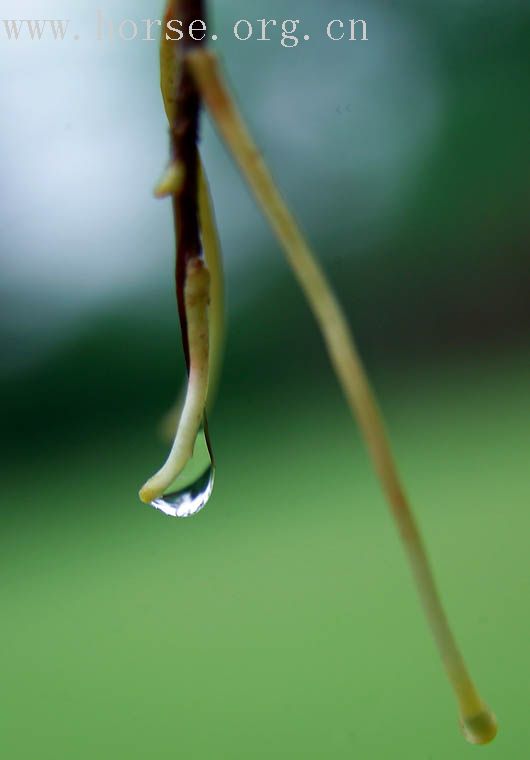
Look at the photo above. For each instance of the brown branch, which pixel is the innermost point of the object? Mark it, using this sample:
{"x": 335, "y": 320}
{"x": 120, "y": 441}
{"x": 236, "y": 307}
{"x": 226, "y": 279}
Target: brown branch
{"x": 184, "y": 134}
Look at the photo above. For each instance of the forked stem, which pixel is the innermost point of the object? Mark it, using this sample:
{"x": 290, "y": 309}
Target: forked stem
{"x": 173, "y": 81}
{"x": 478, "y": 722}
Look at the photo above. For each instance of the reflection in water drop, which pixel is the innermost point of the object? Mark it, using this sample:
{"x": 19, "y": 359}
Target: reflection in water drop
{"x": 189, "y": 500}
{"x": 192, "y": 489}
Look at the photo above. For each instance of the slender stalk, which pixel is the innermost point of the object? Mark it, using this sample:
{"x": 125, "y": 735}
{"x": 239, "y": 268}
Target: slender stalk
{"x": 478, "y": 722}
{"x": 192, "y": 281}
{"x": 172, "y": 54}
{"x": 196, "y": 297}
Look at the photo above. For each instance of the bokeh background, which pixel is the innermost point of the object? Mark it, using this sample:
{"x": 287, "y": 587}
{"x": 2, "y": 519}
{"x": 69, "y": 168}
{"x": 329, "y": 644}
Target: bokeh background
{"x": 281, "y": 622}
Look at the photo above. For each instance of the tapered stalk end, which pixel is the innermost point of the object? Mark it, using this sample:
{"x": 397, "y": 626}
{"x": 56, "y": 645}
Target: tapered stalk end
{"x": 148, "y": 493}
{"x": 480, "y": 728}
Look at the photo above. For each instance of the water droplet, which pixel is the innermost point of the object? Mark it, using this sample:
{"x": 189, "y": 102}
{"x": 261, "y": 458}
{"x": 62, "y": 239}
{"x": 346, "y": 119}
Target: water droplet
{"x": 192, "y": 489}
{"x": 187, "y": 501}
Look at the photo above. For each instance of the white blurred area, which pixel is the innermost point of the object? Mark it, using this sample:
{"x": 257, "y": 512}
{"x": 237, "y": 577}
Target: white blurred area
{"x": 83, "y": 139}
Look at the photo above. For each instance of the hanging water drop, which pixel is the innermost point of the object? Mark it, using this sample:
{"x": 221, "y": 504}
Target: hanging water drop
{"x": 190, "y": 492}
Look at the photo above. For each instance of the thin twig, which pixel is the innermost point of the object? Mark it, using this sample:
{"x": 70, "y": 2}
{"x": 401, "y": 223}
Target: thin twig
{"x": 478, "y": 722}
{"x": 192, "y": 280}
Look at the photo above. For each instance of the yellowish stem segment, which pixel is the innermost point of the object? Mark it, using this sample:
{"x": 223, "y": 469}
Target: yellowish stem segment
{"x": 196, "y": 297}
{"x": 212, "y": 254}
{"x": 478, "y": 722}
{"x": 171, "y": 181}
{"x": 169, "y": 184}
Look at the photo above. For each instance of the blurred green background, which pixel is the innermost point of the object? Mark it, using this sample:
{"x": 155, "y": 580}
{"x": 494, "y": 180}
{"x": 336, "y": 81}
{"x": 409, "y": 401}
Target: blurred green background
{"x": 281, "y": 622}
